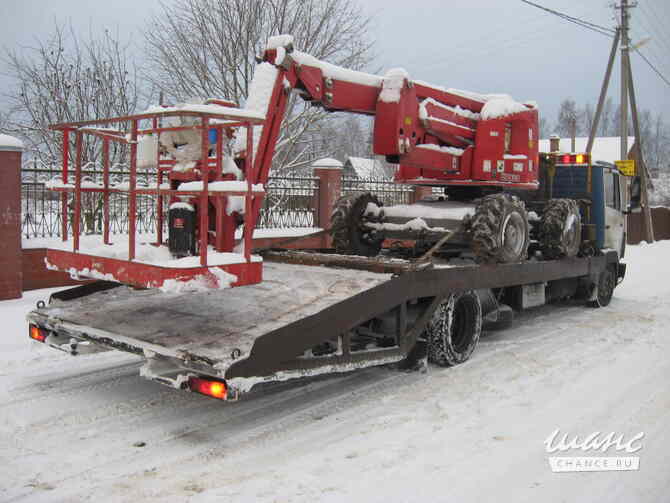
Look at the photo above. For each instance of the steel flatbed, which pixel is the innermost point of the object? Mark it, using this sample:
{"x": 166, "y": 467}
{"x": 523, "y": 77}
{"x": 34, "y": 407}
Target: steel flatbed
{"x": 281, "y": 328}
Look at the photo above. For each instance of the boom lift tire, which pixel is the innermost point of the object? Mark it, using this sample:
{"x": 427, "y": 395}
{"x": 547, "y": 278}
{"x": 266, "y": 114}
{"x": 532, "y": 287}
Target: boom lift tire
{"x": 560, "y": 229}
{"x": 500, "y": 229}
{"x": 605, "y": 286}
{"x": 350, "y": 236}
{"x": 453, "y": 332}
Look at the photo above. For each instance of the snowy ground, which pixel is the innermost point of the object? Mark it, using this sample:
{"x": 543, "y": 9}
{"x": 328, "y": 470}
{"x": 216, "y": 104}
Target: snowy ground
{"x": 471, "y": 433}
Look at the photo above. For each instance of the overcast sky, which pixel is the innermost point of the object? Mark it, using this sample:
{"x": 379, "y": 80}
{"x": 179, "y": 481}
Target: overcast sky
{"x": 489, "y": 46}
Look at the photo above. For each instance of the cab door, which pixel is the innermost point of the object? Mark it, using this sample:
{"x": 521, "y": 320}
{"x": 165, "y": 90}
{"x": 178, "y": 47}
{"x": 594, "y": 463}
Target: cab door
{"x": 614, "y": 217}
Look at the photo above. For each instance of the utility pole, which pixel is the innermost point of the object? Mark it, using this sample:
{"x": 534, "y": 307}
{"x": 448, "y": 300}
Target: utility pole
{"x": 623, "y": 109}
{"x": 628, "y": 91}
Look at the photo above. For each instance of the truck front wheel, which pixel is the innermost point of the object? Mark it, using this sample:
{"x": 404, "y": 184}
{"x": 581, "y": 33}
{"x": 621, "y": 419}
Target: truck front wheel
{"x": 453, "y": 331}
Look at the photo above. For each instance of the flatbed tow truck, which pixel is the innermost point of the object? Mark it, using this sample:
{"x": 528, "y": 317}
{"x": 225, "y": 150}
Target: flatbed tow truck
{"x": 311, "y": 312}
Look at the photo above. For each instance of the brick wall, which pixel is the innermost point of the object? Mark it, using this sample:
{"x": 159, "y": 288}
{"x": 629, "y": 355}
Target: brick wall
{"x": 10, "y": 222}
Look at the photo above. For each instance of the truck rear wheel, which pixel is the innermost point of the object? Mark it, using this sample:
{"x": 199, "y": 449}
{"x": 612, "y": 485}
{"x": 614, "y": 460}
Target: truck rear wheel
{"x": 605, "y": 292}
{"x": 453, "y": 331}
{"x": 500, "y": 230}
{"x": 560, "y": 229}
{"x": 350, "y": 236}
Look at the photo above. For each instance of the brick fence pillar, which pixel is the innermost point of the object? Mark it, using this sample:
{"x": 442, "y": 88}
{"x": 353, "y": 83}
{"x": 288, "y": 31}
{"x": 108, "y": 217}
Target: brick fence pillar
{"x": 329, "y": 173}
{"x": 421, "y": 191}
{"x": 10, "y": 218}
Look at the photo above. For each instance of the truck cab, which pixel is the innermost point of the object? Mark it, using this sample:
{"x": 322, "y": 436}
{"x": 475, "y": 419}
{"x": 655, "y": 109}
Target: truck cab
{"x": 614, "y": 189}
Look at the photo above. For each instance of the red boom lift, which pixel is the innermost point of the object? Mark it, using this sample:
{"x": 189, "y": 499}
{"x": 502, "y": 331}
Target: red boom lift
{"x": 213, "y": 160}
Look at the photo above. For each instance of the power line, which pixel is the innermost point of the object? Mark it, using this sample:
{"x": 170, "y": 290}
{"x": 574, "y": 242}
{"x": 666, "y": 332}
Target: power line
{"x": 603, "y": 30}
{"x": 653, "y": 67}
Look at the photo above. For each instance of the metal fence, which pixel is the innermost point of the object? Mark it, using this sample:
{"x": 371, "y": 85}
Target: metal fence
{"x": 290, "y": 202}
{"x": 388, "y": 192}
{"x": 42, "y": 211}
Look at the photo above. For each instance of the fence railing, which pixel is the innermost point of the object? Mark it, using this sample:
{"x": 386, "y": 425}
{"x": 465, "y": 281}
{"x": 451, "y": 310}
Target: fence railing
{"x": 290, "y": 202}
{"x": 388, "y": 192}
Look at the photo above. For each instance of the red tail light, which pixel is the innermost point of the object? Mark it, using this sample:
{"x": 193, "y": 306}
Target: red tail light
{"x": 37, "y": 333}
{"x": 216, "y": 389}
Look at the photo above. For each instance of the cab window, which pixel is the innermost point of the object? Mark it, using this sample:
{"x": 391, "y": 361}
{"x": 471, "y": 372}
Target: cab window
{"x": 612, "y": 190}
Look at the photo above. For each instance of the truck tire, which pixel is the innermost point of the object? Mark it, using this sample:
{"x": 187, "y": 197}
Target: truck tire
{"x": 453, "y": 332}
{"x": 500, "y": 230}
{"x": 560, "y": 229}
{"x": 346, "y": 226}
{"x": 605, "y": 288}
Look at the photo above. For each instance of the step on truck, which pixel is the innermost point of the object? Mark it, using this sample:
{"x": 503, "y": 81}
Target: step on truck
{"x": 512, "y": 228}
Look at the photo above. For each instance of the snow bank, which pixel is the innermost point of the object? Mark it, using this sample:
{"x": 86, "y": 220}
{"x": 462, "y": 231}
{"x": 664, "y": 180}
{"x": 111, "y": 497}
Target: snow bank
{"x": 9, "y": 142}
{"x": 423, "y": 110}
{"x": 501, "y": 106}
{"x": 338, "y": 72}
{"x": 394, "y": 80}
{"x": 327, "y": 162}
{"x": 447, "y": 150}
{"x": 258, "y": 99}
{"x": 216, "y": 279}
{"x": 436, "y": 210}
{"x": 225, "y": 186}
{"x": 146, "y": 252}
{"x": 242, "y": 113}
{"x": 279, "y": 41}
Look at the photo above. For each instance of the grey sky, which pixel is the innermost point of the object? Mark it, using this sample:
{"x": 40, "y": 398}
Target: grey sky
{"x": 478, "y": 45}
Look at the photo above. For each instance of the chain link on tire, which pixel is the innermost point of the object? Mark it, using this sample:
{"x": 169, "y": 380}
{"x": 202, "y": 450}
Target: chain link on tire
{"x": 453, "y": 332}
{"x": 350, "y": 236}
{"x": 500, "y": 229}
{"x": 560, "y": 229}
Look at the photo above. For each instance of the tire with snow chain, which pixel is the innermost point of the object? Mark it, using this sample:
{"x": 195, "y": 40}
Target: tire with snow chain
{"x": 453, "y": 332}
{"x": 560, "y": 229}
{"x": 605, "y": 288}
{"x": 500, "y": 230}
{"x": 347, "y": 228}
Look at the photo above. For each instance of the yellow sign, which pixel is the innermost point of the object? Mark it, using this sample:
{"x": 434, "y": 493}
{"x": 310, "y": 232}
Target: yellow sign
{"x": 627, "y": 167}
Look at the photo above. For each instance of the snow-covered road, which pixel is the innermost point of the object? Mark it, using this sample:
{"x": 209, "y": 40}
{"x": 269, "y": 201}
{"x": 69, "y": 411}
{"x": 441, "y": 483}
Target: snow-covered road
{"x": 90, "y": 429}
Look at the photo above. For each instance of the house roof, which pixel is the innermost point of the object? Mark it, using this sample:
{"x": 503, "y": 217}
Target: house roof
{"x": 365, "y": 168}
{"x": 605, "y": 148}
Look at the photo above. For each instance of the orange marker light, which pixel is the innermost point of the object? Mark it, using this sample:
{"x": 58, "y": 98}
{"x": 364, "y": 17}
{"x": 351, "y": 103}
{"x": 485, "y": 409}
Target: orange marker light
{"x": 217, "y": 389}
{"x": 37, "y": 333}
{"x": 580, "y": 159}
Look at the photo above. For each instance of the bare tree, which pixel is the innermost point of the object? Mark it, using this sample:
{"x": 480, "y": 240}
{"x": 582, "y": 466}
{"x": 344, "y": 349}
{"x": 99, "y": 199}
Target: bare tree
{"x": 207, "y": 48}
{"x": 568, "y": 123}
{"x": 587, "y": 118}
{"x": 606, "y": 119}
{"x": 66, "y": 78}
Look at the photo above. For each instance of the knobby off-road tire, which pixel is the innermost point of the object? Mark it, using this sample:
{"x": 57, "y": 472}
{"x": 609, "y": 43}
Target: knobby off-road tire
{"x": 605, "y": 288}
{"x": 560, "y": 229}
{"x": 346, "y": 226}
{"x": 453, "y": 332}
{"x": 500, "y": 229}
